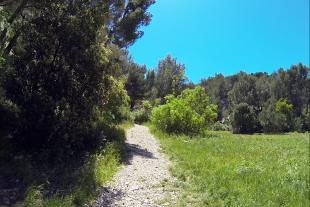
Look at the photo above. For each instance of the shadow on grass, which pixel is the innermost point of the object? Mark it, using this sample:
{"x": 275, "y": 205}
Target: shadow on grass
{"x": 18, "y": 174}
{"x": 56, "y": 183}
{"x": 73, "y": 182}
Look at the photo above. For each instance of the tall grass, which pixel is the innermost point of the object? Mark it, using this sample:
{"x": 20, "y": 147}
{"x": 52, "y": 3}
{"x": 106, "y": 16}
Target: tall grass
{"x": 240, "y": 170}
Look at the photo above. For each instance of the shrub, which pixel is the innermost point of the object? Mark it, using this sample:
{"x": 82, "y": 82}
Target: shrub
{"x": 140, "y": 116}
{"x": 283, "y": 107}
{"x": 243, "y": 119}
{"x": 177, "y": 117}
{"x": 218, "y": 126}
{"x": 155, "y": 102}
{"x": 143, "y": 113}
{"x": 306, "y": 121}
{"x": 199, "y": 101}
{"x": 116, "y": 108}
{"x": 277, "y": 117}
{"x": 269, "y": 120}
{"x": 190, "y": 113}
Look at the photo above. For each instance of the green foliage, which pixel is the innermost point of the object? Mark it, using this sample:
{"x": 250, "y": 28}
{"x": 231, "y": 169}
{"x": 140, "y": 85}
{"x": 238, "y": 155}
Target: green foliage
{"x": 142, "y": 114}
{"x": 244, "y": 91}
{"x": 62, "y": 68}
{"x": 34, "y": 197}
{"x": 60, "y": 72}
{"x": 177, "y": 117}
{"x": 257, "y": 89}
{"x": 269, "y": 120}
{"x": 199, "y": 101}
{"x": 96, "y": 171}
{"x": 116, "y": 107}
{"x": 189, "y": 113}
{"x": 277, "y": 117}
{"x": 170, "y": 77}
{"x": 126, "y": 125}
{"x": 243, "y": 119}
{"x": 306, "y": 120}
{"x": 239, "y": 170}
{"x": 135, "y": 84}
{"x": 128, "y": 16}
{"x": 218, "y": 126}
{"x": 283, "y": 107}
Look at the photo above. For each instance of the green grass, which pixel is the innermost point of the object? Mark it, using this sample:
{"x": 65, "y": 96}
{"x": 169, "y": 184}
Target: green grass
{"x": 240, "y": 170}
{"x": 126, "y": 125}
{"x": 99, "y": 169}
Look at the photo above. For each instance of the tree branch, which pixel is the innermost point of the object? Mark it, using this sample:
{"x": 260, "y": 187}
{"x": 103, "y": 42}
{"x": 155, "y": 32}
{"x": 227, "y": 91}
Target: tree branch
{"x": 12, "y": 18}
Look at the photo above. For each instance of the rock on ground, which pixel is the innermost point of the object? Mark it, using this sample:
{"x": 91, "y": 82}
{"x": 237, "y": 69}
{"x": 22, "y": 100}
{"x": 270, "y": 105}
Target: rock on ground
{"x": 139, "y": 182}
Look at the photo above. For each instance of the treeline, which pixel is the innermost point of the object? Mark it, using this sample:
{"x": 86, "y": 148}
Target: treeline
{"x": 259, "y": 102}
{"x": 155, "y": 84}
{"x": 247, "y": 103}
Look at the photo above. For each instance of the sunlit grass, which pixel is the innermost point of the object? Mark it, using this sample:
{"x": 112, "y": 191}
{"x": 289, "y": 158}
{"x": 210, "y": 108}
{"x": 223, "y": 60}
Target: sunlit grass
{"x": 126, "y": 125}
{"x": 240, "y": 170}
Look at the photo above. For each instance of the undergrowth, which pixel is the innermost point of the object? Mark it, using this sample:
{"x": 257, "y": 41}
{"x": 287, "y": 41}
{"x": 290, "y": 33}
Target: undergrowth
{"x": 97, "y": 170}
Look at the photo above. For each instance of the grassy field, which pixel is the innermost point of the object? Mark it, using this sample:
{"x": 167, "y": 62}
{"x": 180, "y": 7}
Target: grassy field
{"x": 239, "y": 170}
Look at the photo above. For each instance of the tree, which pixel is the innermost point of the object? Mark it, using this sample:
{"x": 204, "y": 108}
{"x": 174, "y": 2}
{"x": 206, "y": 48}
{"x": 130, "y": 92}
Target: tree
{"x": 276, "y": 116}
{"x": 218, "y": 92}
{"x": 135, "y": 84}
{"x": 126, "y": 16}
{"x": 151, "y": 91}
{"x": 293, "y": 84}
{"x": 244, "y": 91}
{"x": 170, "y": 77}
{"x": 243, "y": 119}
{"x": 263, "y": 90}
{"x": 199, "y": 101}
{"x": 189, "y": 113}
{"x": 59, "y": 74}
{"x": 123, "y": 18}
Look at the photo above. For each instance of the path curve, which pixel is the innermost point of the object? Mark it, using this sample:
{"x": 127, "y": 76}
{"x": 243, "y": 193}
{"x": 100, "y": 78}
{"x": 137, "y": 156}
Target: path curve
{"x": 139, "y": 182}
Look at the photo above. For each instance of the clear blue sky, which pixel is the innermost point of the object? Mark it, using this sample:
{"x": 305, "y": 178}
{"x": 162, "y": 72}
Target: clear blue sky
{"x": 226, "y": 36}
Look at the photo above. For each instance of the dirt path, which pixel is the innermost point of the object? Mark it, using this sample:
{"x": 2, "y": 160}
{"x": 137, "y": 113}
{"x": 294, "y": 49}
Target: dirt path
{"x": 139, "y": 182}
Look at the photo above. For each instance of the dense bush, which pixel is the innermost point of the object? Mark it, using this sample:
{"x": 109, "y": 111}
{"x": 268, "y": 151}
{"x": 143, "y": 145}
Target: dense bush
{"x": 218, "y": 126}
{"x": 277, "y": 117}
{"x": 116, "y": 108}
{"x": 142, "y": 114}
{"x": 243, "y": 119}
{"x": 269, "y": 120}
{"x": 189, "y": 113}
{"x": 58, "y": 83}
{"x": 306, "y": 120}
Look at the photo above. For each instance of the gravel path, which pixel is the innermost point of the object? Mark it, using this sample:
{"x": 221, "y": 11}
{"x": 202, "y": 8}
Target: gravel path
{"x": 139, "y": 182}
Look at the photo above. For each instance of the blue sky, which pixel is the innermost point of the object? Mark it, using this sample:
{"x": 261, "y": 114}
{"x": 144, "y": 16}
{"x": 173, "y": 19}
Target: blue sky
{"x": 226, "y": 36}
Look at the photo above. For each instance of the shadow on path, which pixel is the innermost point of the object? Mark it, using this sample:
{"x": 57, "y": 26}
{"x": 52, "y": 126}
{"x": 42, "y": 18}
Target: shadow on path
{"x": 107, "y": 198}
{"x": 135, "y": 150}
{"x": 108, "y": 195}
